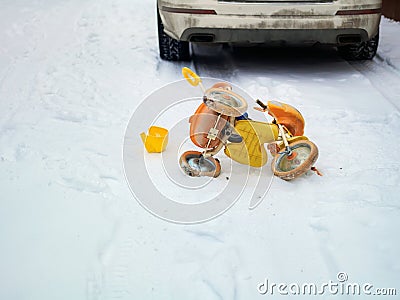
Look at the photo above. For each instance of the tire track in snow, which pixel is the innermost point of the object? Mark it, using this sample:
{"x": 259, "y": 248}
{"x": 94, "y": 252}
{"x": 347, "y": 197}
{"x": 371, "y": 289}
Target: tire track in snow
{"x": 383, "y": 78}
{"x": 112, "y": 278}
{"x": 240, "y": 66}
{"x": 219, "y": 63}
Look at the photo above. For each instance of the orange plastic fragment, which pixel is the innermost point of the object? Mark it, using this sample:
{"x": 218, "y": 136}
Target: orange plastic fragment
{"x": 288, "y": 116}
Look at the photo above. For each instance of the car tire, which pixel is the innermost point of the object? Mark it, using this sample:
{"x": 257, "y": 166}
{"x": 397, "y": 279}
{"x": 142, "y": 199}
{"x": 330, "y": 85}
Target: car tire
{"x": 171, "y": 49}
{"x": 363, "y": 51}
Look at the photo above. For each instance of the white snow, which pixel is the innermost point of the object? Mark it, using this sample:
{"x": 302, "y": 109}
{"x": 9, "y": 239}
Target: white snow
{"x": 71, "y": 75}
{"x": 389, "y": 50}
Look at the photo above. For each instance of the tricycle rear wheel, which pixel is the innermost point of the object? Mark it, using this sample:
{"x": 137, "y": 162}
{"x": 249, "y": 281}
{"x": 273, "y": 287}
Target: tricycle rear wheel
{"x": 194, "y": 164}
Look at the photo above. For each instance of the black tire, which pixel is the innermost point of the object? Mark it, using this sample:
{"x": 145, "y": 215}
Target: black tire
{"x": 363, "y": 51}
{"x": 171, "y": 49}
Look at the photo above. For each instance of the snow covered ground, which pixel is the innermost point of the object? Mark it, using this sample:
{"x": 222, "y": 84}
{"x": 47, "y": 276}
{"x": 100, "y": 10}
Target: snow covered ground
{"x": 71, "y": 75}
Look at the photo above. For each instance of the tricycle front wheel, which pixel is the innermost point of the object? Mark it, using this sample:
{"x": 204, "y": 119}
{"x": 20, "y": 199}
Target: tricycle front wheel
{"x": 288, "y": 167}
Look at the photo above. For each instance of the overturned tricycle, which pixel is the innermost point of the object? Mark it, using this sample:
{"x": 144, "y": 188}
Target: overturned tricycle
{"x": 221, "y": 122}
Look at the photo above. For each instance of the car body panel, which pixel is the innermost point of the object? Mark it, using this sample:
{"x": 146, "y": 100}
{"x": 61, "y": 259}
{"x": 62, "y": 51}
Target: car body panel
{"x": 320, "y": 18}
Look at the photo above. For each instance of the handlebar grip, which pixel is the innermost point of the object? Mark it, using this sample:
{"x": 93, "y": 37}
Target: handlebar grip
{"x": 191, "y": 76}
{"x": 263, "y": 106}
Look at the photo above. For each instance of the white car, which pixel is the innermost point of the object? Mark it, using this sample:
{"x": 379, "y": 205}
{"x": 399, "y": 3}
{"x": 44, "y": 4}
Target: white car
{"x": 351, "y": 25}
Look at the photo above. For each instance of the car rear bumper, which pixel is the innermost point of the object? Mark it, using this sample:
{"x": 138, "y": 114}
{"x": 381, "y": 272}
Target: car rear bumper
{"x": 275, "y": 36}
{"x": 327, "y": 29}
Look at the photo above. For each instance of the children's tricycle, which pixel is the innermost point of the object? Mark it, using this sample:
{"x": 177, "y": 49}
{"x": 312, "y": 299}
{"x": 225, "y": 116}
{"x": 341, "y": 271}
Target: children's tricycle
{"x": 221, "y": 122}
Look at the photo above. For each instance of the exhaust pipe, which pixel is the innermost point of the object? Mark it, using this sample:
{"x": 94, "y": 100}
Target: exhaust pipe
{"x": 349, "y": 39}
{"x": 202, "y": 38}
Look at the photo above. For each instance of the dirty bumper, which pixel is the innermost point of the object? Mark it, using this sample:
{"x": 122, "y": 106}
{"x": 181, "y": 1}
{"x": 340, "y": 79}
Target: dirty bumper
{"x": 253, "y": 29}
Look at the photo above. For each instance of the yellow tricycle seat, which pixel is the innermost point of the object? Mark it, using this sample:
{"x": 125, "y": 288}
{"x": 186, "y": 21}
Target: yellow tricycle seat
{"x": 251, "y": 150}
